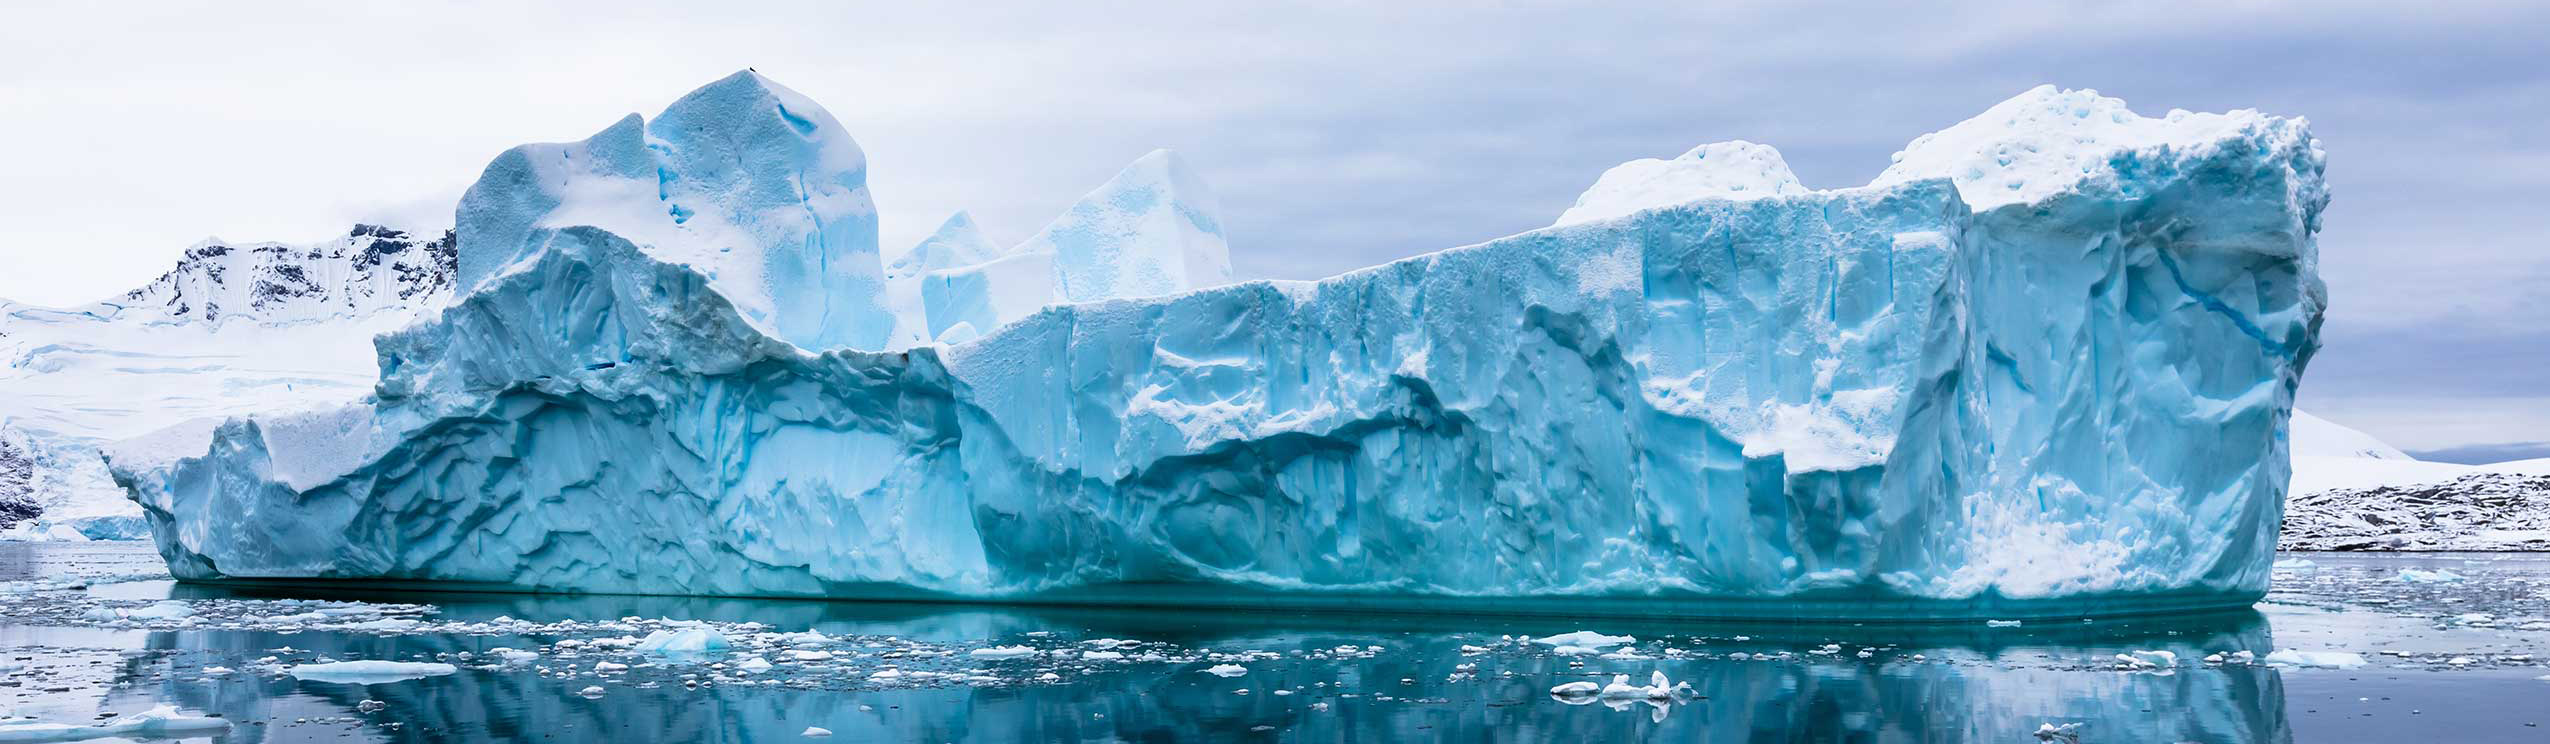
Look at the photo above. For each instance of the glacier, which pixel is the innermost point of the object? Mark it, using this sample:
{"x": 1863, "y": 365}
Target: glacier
{"x": 232, "y": 328}
{"x": 2043, "y": 366}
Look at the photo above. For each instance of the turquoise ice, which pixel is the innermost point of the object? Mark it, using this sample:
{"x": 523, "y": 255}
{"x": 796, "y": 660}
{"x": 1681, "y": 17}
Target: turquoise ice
{"x": 2042, "y": 367}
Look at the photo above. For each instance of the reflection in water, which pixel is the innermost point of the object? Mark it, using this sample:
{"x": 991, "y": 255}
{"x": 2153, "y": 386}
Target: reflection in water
{"x": 1969, "y": 683}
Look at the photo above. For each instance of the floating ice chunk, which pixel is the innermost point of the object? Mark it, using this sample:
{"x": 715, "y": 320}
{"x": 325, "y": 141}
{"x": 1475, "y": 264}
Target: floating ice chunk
{"x": 2148, "y": 659}
{"x": 368, "y": 672}
{"x": 160, "y": 722}
{"x": 2327, "y": 659}
{"x": 2002, "y": 623}
{"x": 591, "y": 691}
{"x": 806, "y": 655}
{"x": 605, "y": 667}
{"x": 2295, "y": 564}
{"x": 1585, "y": 638}
{"x": 754, "y": 664}
{"x": 1578, "y": 688}
{"x": 167, "y": 609}
{"x": 1003, "y": 652}
{"x": 683, "y": 642}
{"x": 384, "y": 625}
{"x": 1102, "y": 655}
{"x": 2422, "y": 576}
{"x": 815, "y": 731}
{"x": 1226, "y": 670}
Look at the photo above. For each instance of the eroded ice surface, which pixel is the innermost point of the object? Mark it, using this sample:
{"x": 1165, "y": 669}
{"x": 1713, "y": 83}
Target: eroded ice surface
{"x": 2043, "y": 366}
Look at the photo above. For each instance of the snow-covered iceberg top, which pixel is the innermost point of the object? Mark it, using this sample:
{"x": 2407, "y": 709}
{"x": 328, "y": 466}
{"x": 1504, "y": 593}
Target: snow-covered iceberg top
{"x": 1878, "y": 401}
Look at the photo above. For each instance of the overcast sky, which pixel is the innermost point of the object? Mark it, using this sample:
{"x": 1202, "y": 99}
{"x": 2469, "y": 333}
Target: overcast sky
{"x": 1337, "y": 137}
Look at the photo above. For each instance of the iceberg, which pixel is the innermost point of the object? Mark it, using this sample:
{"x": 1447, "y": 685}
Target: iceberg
{"x": 2043, "y": 367}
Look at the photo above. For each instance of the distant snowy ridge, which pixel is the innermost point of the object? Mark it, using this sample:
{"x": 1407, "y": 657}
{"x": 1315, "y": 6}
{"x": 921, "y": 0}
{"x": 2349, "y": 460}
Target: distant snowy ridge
{"x": 2354, "y": 492}
{"x": 2506, "y": 508}
{"x": 371, "y": 269}
{"x": 231, "y": 328}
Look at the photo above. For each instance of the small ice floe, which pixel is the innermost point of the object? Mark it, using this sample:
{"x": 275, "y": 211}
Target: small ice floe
{"x": 1003, "y": 652}
{"x": 2003, "y": 623}
{"x": 2069, "y": 733}
{"x": 1586, "y": 639}
{"x": 1226, "y": 670}
{"x": 1107, "y": 643}
{"x": 166, "y": 609}
{"x": 683, "y": 642}
{"x": 755, "y": 664}
{"x": 512, "y": 656}
{"x": 605, "y": 667}
{"x": 2147, "y": 659}
{"x": 1576, "y": 689}
{"x": 384, "y": 625}
{"x": 161, "y": 722}
{"x": 591, "y": 691}
{"x": 368, "y": 672}
{"x": 2421, "y": 576}
{"x": 1102, "y": 656}
{"x": 2476, "y": 618}
{"x": 370, "y": 706}
{"x": 805, "y": 655}
{"x": 2323, "y": 659}
{"x": 2295, "y": 564}
{"x": 816, "y": 732}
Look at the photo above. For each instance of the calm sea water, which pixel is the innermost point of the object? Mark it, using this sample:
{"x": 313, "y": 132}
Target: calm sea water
{"x": 2456, "y": 660}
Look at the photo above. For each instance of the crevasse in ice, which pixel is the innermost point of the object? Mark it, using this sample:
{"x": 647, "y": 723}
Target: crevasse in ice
{"x": 2042, "y": 367}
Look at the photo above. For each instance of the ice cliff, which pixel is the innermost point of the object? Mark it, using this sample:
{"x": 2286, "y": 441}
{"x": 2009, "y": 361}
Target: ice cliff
{"x": 2043, "y": 366}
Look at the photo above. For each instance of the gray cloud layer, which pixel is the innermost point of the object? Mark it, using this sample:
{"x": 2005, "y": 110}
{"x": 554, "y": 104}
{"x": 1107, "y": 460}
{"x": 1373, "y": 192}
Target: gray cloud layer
{"x": 1338, "y": 135}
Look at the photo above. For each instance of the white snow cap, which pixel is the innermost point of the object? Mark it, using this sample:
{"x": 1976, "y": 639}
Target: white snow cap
{"x": 2045, "y": 141}
{"x": 1721, "y": 170}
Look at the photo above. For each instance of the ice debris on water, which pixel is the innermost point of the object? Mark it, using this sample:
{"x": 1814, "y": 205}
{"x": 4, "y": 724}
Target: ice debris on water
{"x": 2422, "y": 576}
{"x": 1226, "y": 670}
{"x": 369, "y": 672}
{"x": 2325, "y": 659}
{"x": 159, "y": 722}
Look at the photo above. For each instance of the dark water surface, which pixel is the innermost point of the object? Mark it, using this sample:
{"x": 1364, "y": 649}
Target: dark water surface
{"x": 2454, "y": 660}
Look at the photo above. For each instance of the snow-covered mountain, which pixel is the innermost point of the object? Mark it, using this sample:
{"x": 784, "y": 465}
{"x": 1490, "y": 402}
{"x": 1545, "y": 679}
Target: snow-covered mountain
{"x": 231, "y": 328}
{"x": 2354, "y": 492}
